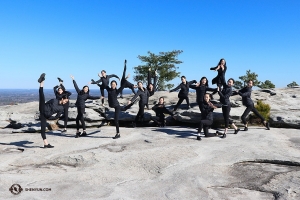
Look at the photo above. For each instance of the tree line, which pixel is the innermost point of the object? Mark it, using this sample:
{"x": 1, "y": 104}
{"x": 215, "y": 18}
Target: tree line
{"x": 166, "y": 65}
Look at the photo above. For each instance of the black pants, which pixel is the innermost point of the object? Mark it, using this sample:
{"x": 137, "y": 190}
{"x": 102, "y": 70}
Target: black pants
{"x": 140, "y": 114}
{"x": 200, "y": 104}
{"x": 102, "y": 94}
{"x": 42, "y": 112}
{"x": 158, "y": 120}
{"x": 248, "y": 110}
{"x": 80, "y": 112}
{"x": 117, "y": 112}
{"x": 226, "y": 112}
{"x": 205, "y": 123}
{"x": 66, "y": 114}
{"x": 126, "y": 83}
{"x": 181, "y": 100}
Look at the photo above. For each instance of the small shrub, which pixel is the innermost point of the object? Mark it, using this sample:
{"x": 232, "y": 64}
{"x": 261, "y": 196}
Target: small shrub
{"x": 263, "y": 109}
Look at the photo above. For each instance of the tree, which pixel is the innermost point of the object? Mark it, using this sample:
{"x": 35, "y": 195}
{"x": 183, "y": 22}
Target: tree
{"x": 165, "y": 64}
{"x": 244, "y": 79}
{"x": 292, "y": 84}
{"x": 266, "y": 85}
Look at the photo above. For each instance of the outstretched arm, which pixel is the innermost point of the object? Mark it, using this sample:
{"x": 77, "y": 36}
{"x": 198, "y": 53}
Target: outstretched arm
{"x": 75, "y": 84}
{"x": 113, "y": 75}
{"x": 177, "y": 88}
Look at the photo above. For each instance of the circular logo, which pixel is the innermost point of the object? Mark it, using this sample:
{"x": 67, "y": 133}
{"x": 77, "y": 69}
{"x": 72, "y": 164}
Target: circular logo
{"x": 15, "y": 189}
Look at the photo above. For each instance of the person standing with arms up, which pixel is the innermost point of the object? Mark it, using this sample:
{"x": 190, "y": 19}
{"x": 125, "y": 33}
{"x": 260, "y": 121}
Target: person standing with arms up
{"x": 59, "y": 92}
{"x": 143, "y": 93}
{"x": 104, "y": 80}
{"x": 82, "y": 96}
{"x": 48, "y": 109}
{"x": 245, "y": 93}
{"x": 183, "y": 93}
{"x": 220, "y": 78}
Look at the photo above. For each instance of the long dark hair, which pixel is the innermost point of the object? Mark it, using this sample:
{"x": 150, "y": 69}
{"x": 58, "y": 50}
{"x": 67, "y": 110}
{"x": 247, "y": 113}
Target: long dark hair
{"x": 82, "y": 92}
{"x": 206, "y": 84}
{"x": 221, "y": 61}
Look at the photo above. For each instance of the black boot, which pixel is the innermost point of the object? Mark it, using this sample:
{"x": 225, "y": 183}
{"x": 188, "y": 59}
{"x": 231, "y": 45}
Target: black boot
{"x": 42, "y": 78}
{"x": 59, "y": 79}
{"x": 236, "y": 131}
{"x": 117, "y": 136}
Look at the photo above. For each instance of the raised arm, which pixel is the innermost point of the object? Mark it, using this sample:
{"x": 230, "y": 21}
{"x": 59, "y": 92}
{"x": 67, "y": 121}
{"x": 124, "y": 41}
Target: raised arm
{"x": 192, "y": 82}
{"x": 155, "y": 81}
{"x": 113, "y": 75}
{"x": 75, "y": 85}
{"x": 54, "y": 89}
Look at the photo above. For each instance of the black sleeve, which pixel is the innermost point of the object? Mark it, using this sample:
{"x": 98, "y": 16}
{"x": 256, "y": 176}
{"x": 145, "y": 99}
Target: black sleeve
{"x": 135, "y": 96}
{"x": 211, "y": 89}
{"x": 227, "y": 94}
{"x": 113, "y": 75}
{"x": 93, "y": 97}
{"x": 120, "y": 89}
{"x": 191, "y": 82}
{"x": 67, "y": 93}
{"x": 76, "y": 86}
{"x": 155, "y": 107}
{"x": 95, "y": 82}
{"x": 213, "y": 68}
{"x": 245, "y": 92}
{"x": 193, "y": 87}
{"x": 54, "y": 89}
{"x": 148, "y": 78}
{"x": 177, "y": 88}
{"x": 62, "y": 87}
{"x": 155, "y": 83}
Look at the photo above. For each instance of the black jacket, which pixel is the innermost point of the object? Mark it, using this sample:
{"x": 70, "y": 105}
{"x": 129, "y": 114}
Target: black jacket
{"x": 225, "y": 94}
{"x": 112, "y": 96}
{"x": 154, "y": 84}
{"x": 105, "y": 80}
{"x": 59, "y": 96}
{"x": 184, "y": 89}
{"x": 144, "y": 95}
{"x": 82, "y": 97}
{"x": 201, "y": 91}
{"x": 51, "y": 107}
{"x": 160, "y": 111}
{"x": 245, "y": 93}
{"x": 207, "y": 112}
{"x": 220, "y": 78}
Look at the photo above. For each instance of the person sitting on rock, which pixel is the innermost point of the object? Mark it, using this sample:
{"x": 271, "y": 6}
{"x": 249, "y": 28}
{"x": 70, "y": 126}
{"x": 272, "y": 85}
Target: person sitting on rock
{"x": 201, "y": 89}
{"x": 143, "y": 93}
{"x": 245, "y": 93}
{"x": 160, "y": 110}
{"x": 113, "y": 102}
{"x": 60, "y": 91}
{"x": 48, "y": 109}
{"x": 151, "y": 86}
{"x": 206, "y": 116}
{"x": 82, "y": 96}
{"x": 104, "y": 80}
{"x": 184, "y": 92}
{"x": 226, "y": 106}
{"x": 126, "y": 83}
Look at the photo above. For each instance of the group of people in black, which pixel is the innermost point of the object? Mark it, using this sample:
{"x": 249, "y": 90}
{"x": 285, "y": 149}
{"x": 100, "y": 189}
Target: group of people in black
{"x": 60, "y": 104}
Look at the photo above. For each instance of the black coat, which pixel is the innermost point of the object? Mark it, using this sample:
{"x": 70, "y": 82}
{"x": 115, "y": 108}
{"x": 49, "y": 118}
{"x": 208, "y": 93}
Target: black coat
{"x": 207, "y": 112}
{"x": 65, "y": 93}
{"x": 220, "y": 78}
{"x": 82, "y": 97}
{"x": 201, "y": 91}
{"x": 245, "y": 93}
{"x": 184, "y": 89}
{"x": 105, "y": 80}
{"x": 112, "y": 96}
{"x": 144, "y": 95}
{"x": 160, "y": 111}
{"x": 225, "y": 94}
{"x": 51, "y": 107}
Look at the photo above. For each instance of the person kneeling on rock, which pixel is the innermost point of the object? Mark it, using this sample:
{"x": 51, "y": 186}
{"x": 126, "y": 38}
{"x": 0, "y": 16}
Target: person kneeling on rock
{"x": 160, "y": 110}
{"x": 207, "y": 116}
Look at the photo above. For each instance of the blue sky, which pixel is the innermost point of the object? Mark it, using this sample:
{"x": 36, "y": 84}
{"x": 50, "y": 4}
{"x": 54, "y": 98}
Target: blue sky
{"x": 83, "y": 37}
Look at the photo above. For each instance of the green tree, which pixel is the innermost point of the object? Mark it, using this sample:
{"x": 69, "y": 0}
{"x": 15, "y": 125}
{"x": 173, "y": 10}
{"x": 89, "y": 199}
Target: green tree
{"x": 244, "y": 79}
{"x": 292, "y": 84}
{"x": 266, "y": 85}
{"x": 165, "y": 64}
